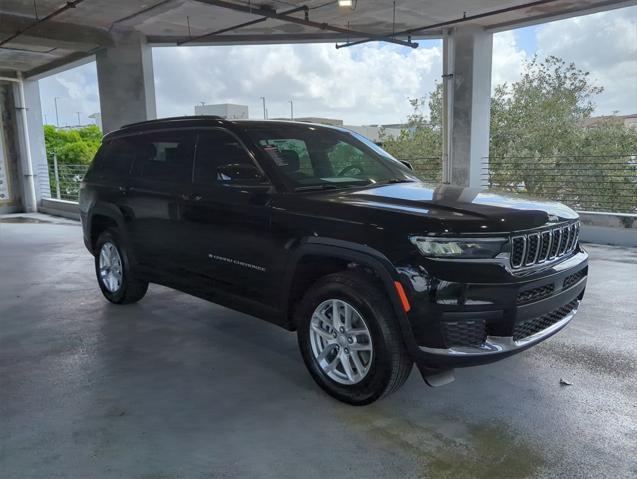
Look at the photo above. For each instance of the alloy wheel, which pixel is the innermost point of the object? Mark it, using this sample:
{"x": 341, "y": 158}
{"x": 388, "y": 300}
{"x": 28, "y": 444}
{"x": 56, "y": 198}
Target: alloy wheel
{"x": 110, "y": 265}
{"x": 341, "y": 342}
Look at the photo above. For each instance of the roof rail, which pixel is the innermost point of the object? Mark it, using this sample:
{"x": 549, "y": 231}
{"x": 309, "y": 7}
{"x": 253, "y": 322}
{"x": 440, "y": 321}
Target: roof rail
{"x": 173, "y": 118}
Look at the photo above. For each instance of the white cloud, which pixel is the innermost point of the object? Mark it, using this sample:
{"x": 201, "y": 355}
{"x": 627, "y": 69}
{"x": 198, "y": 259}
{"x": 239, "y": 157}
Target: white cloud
{"x": 361, "y": 85}
{"x": 508, "y": 59}
{"x": 77, "y": 89}
{"x": 605, "y": 44}
{"x": 366, "y": 84}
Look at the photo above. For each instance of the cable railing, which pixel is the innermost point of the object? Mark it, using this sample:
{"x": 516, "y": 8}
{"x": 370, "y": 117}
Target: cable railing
{"x": 429, "y": 168}
{"x": 61, "y": 181}
{"x": 586, "y": 183}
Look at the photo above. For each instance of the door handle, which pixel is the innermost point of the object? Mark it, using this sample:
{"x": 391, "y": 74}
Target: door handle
{"x": 185, "y": 197}
{"x": 122, "y": 189}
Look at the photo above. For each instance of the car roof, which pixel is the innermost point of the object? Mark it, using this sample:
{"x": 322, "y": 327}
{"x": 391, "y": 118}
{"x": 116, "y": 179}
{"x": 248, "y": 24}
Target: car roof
{"x": 208, "y": 120}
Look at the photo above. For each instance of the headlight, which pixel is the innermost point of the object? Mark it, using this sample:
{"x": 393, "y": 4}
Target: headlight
{"x": 482, "y": 248}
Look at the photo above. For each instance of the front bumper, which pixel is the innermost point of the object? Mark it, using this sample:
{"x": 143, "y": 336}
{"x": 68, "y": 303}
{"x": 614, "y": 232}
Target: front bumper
{"x": 467, "y": 324}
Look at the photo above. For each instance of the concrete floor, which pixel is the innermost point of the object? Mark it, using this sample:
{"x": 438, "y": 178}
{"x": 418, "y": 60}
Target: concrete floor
{"x": 177, "y": 387}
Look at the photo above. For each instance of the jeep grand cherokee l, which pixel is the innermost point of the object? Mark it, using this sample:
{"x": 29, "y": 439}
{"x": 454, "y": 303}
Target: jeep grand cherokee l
{"x": 322, "y": 232}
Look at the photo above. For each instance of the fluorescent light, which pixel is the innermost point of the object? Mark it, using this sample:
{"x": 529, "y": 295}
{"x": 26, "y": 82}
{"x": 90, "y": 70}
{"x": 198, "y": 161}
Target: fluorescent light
{"x": 346, "y": 3}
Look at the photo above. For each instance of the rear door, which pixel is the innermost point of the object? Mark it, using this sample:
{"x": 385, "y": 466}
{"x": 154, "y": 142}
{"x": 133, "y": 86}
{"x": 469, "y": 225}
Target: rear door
{"x": 161, "y": 176}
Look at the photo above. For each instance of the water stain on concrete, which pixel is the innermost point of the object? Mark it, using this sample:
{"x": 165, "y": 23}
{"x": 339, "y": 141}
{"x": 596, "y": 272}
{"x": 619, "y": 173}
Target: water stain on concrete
{"x": 451, "y": 447}
{"x": 589, "y": 357}
{"x": 22, "y": 219}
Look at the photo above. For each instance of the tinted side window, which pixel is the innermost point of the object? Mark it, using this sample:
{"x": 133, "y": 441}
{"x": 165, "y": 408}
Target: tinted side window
{"x": 290, "y": 154}
{"x": 220, "y": 156}
{"x": 114, "y": 158}
{"x": 165, "y": 155}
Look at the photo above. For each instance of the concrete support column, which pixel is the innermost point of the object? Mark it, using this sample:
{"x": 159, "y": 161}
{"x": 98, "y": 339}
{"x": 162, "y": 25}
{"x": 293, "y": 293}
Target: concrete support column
{"x": 467, "y": 69}
{"x": 126, "y": 82}
{"x": 32, "y": 164}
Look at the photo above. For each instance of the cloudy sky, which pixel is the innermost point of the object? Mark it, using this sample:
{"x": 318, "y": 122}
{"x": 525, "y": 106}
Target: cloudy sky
{"x": 367, "y": 84}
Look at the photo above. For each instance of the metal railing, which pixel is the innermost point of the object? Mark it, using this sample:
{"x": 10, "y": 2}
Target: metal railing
{"x": 586, "y": 183}
{"x": 61, "y": 181}
{"x": 429, "y": 168}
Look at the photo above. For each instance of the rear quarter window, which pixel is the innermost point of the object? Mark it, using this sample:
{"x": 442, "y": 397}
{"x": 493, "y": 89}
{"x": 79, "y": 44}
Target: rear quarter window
{"x": 114, "y": 158}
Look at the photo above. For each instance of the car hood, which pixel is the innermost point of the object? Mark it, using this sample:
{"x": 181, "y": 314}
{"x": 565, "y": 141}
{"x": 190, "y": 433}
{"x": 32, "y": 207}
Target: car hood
{"x": 458, "y": 209}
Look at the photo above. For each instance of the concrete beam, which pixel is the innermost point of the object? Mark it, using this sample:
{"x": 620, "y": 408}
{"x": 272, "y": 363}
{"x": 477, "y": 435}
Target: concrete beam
{"x": 126, "y": 83}
{"x": 54, "y": 34}
{"x": 60, "y": 65}
{"x": 469, "y": 53}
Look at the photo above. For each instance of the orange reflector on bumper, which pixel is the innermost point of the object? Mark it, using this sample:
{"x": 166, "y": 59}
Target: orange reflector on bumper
{"x": 402, "y": 296}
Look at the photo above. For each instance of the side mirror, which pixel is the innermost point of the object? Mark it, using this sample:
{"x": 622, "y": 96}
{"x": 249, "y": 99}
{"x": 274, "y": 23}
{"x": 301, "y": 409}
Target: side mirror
{"x": 239, "y": 173}
{"x": 407, "y": 164}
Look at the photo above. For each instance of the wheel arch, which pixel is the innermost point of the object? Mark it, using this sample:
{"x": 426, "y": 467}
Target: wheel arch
{"x": 102, "y": 217}
{"x": 346, "y": 253}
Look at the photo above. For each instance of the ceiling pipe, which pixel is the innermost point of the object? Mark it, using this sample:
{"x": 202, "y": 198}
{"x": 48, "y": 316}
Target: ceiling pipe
{"x": 457, "y": 21}
{"x": 240, "y": 25}
{"x": 69, "y": 4}
{"x": 305, "y": 22}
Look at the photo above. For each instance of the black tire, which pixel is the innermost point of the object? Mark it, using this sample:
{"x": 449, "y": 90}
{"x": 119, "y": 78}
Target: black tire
{"x": 130, "y": 289}
{"x": 390, "y": 364}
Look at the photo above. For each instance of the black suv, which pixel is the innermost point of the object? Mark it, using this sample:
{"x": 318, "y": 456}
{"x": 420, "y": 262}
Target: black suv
{"x": 320, "y": 231}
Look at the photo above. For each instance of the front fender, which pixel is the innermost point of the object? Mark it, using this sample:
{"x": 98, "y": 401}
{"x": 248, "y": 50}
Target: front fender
{"x": 362, "y": 255}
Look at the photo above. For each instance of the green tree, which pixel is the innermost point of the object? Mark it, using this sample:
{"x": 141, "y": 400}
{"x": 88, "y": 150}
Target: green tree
{"x": 420, "y": 142}
{"x": 73, "y": 147}
{"x": 74, "y": 150}
{"x": 541, "y": 142}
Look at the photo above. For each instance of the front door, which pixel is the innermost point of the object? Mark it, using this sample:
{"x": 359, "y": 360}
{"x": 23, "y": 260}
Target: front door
{"x": 227, "y": 216}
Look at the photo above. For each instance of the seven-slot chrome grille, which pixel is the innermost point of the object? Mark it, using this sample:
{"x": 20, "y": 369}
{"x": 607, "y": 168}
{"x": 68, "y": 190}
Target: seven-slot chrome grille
{"x": 546, "y": 245}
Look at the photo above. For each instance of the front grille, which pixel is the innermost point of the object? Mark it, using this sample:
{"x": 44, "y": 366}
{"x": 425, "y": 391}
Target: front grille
{"x": 535, "y": 325}
{"x": 573, "y": 278}
{"x": 464, "y": 333}
{"x": 536, "y": 248}
{"x": 535, "y": 294}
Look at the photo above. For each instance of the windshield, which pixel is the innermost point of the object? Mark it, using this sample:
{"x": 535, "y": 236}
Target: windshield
{"x": 315, "y": 157}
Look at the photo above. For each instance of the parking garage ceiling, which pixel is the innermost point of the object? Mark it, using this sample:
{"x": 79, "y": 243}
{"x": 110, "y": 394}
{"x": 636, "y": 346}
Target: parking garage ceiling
{"x": 38, "y": 36}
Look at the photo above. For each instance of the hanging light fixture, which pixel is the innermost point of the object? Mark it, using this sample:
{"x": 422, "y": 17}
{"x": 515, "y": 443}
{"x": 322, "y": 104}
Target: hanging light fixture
{"x": 347, "y": 4}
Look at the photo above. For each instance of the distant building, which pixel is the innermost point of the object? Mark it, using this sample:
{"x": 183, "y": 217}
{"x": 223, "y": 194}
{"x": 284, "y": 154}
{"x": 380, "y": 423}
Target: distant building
{"x": 371, "y": 132}
{"x": 629, "y": 121}
{"x": 320, "y": 121}
{"x": 97, "y": 118}
{"x": 227, "y": 111}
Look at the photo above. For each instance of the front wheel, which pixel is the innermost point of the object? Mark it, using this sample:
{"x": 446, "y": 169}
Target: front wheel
{"x": 114, "y": 273}
{"x": 350, "y": 340}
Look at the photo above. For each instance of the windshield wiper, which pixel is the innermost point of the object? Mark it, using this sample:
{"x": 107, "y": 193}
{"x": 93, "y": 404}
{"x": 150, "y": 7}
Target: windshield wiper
{"x": 325, "y": 186}
{"x": 396, "y": 180}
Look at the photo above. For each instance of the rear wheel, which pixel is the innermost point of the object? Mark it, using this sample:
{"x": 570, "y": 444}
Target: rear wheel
{"x": 350, "y": 340}
{"x": 113, "y": 269}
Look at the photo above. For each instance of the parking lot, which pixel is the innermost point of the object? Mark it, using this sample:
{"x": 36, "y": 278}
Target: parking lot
{"x": 175, "y": 387}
